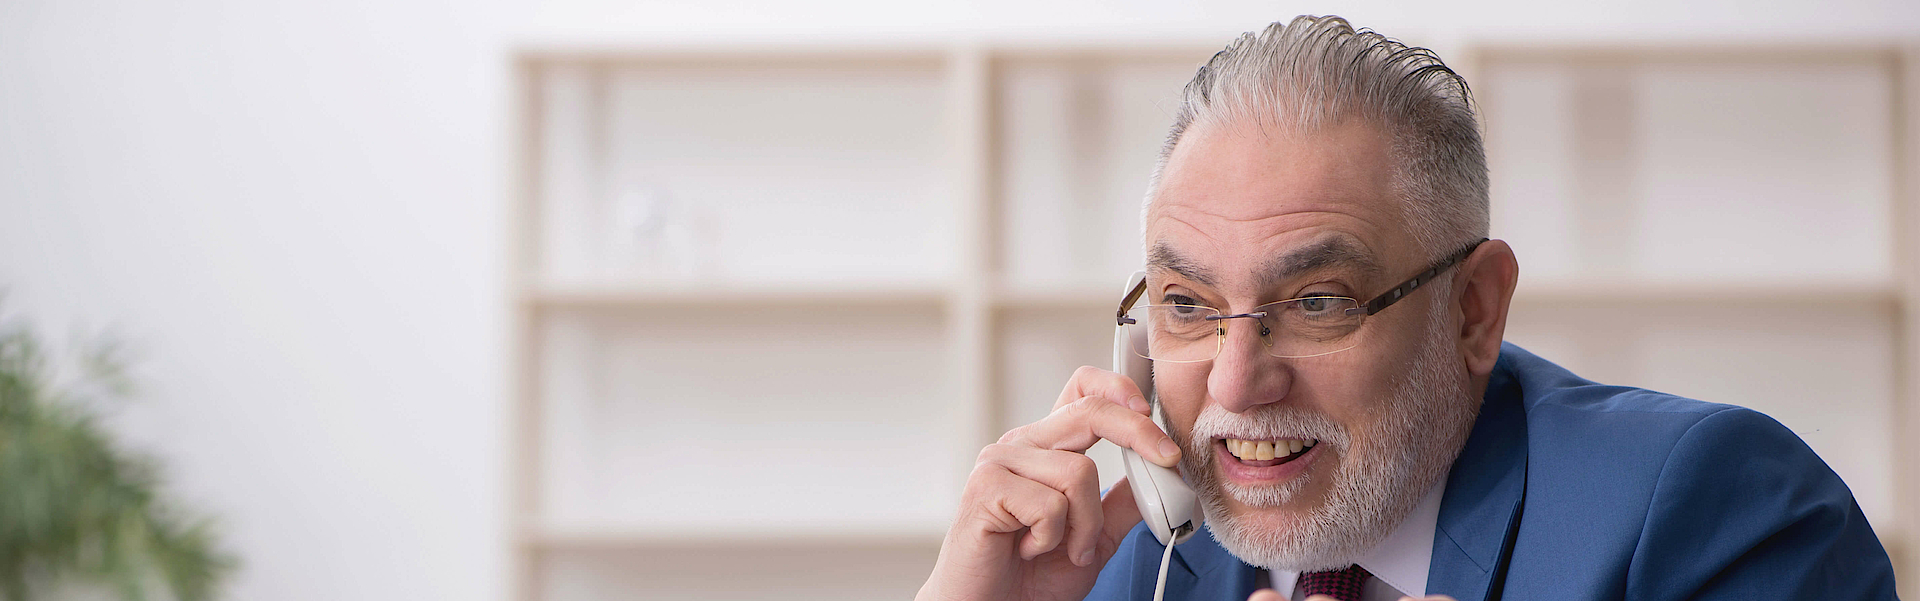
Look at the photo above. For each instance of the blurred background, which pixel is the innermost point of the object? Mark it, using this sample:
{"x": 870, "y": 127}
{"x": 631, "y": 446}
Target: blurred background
{"x": 717, "y": 300}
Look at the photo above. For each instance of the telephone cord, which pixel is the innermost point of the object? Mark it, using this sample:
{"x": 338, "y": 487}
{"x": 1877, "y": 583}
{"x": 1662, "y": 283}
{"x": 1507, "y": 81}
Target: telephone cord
{"x": 1160, "y": 586}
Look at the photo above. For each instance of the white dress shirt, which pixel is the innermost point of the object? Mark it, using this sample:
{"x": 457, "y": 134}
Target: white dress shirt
{"x": 1398, "y": 564}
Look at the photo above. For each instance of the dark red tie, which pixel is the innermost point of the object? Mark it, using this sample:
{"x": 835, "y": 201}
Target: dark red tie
{"x": 1339, "y": 584}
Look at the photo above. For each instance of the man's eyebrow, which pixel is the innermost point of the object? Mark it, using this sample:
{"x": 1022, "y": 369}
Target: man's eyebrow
{"x": 1328, "y": 252}
{"x": 1164, "y": 257}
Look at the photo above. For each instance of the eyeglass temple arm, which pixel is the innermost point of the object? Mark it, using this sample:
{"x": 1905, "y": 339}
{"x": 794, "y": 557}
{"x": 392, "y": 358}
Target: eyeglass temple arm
{"x": 1126, "y": 304}
{"x": 1390, "y": 297}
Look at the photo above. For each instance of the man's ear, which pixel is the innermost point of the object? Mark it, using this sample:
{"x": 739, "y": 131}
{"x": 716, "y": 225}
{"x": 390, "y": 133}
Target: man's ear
{"x": 1484, "y": 289}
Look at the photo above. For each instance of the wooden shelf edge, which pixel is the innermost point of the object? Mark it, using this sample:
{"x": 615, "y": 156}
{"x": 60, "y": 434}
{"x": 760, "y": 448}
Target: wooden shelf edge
{"x": 1061, "y": 298}
{"x": 734, "y": 294}
{"x": 1730, "y": 293}
{"x": 632, "y": 537}
{"x": 872, "y": 47}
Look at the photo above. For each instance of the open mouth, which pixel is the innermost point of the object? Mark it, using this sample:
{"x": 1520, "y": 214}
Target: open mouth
{"x": 1267, "y": 453}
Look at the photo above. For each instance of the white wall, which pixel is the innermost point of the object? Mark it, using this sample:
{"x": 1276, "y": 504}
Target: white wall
{"x": 295, "y": 210}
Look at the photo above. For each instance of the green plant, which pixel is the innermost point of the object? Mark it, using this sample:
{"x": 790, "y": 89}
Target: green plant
{"x": 76, "y": 510}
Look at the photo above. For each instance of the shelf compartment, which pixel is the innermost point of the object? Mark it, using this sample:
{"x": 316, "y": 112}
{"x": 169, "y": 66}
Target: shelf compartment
{"x": 790, "y": 170}
{"x": 1076, "y": 139}
{"x": 1696, "y": 166}
{"x": 657, "y": 420}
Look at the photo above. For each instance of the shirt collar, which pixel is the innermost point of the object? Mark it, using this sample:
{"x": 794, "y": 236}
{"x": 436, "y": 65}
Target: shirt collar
{"x": 1402, "y": 559}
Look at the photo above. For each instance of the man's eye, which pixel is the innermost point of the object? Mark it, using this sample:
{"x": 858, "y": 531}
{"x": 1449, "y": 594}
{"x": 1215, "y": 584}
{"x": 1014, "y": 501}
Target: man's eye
{"x": 1177, "y": 299}
{"x": 1314, "y": 305}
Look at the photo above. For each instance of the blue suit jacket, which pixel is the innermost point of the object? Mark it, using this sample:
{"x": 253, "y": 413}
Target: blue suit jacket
{"x": 1568, "y": 489}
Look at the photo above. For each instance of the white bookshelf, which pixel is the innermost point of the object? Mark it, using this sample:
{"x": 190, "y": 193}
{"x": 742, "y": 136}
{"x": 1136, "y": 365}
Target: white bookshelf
{"x": 771, "y": 299}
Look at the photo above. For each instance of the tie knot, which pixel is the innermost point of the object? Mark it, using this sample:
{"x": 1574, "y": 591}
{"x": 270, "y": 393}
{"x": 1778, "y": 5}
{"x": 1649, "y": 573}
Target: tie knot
{"x": 1339, "y": 584}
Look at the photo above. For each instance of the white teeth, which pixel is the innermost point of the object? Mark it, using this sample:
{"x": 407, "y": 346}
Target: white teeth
{"x": 1264, "y": 450}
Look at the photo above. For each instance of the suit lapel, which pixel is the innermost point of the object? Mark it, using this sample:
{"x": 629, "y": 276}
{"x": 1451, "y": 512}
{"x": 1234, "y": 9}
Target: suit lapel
{"x": 1485, "y": 493}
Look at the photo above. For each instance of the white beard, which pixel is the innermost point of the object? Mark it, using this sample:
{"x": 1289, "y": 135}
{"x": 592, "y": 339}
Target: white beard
{"x": 1429, "y": 414}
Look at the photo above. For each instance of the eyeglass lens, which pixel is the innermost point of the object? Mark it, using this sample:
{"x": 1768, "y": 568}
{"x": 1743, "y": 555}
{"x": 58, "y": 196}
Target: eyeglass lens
{"x": 1303, "y": 327}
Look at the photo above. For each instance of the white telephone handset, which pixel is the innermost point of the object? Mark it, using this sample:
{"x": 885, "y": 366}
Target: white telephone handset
{"x": 1170, "y": 508}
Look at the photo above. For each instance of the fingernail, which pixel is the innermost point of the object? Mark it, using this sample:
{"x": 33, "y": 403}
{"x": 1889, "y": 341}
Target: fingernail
{"x": 1137, "y": 402}
{"x": 1168, "y": 450}
{"x": 1086, "y": 558}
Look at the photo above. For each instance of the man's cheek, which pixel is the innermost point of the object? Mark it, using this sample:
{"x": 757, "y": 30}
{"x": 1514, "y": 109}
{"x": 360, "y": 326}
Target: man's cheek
{"x": 1348, "y": 398}
{"x": 1180, "y": 398}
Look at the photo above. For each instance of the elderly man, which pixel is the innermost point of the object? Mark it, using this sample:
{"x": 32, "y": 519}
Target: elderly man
{"x": 1350, "y": 417}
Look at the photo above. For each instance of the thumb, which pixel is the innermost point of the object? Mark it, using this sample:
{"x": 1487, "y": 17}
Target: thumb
{"x": 1118, "y": 515}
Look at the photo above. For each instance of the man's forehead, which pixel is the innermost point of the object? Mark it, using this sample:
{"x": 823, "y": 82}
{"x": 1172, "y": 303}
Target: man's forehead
{"x": 1332, "y": 250}
{"x": 1254, "y": 212}
{"x": 1245, "y": 173}
{"x": 1239, "y": 188}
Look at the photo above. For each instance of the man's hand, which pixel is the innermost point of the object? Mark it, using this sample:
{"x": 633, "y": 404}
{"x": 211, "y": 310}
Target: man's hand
{"x": 1267, "y": 594}
{"x": 1031, "y": 523}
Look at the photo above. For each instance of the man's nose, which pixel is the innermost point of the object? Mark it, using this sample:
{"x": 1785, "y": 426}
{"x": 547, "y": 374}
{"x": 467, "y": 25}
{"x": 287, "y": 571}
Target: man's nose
{"x": 1244, "y": 375}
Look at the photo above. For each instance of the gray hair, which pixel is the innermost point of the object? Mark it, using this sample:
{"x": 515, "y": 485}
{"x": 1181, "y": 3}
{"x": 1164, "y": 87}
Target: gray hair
{"x": 1316, "y": 71}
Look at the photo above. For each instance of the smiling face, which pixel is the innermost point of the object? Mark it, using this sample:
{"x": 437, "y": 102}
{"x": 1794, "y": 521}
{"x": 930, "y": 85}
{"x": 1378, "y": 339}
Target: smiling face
{"x": 1244, "y": 217}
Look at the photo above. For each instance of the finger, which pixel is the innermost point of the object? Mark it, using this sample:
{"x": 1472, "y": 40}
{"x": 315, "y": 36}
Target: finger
{"x": 1093, "y": 381}
{"x": 1027, "y": 504}
{"x": 1073, "y": 475}
{"x": 1079, "y": 424}
{"x": 1320, "y": 598}
{"x": 1118, "y": 514}
{"x": 1267, "y": 594}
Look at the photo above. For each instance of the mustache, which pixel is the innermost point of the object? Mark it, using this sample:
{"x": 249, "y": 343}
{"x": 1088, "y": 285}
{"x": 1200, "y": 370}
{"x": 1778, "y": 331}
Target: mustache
{"x": 1264, "y": 422}
{"x": 1267, "y": 422}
